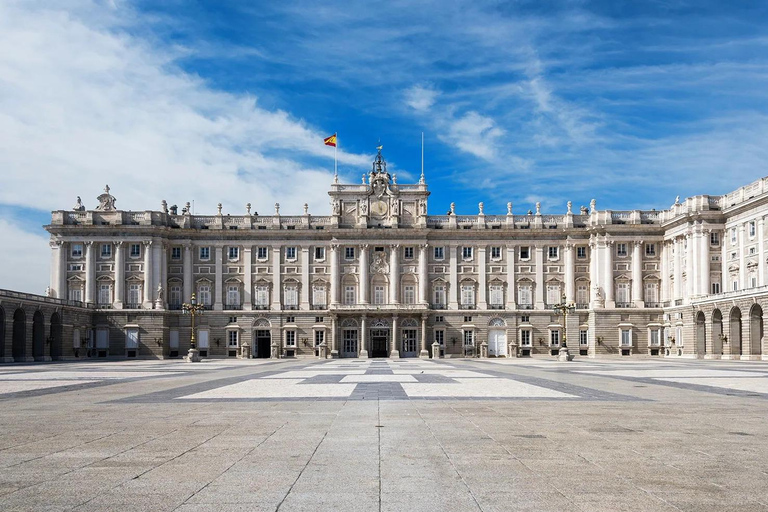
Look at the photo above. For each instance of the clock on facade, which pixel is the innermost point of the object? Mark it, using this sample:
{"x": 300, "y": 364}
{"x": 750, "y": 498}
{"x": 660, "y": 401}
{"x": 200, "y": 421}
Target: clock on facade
{"x": 379, "y": 208}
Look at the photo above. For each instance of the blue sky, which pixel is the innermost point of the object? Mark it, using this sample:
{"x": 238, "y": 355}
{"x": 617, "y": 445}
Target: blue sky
{"x": 630, "y": 103}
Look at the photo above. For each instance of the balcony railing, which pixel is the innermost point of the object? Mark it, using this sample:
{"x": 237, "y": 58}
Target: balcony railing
{"x": 582, "y": 305}
{"x": 174, "y": 307}
{"x": 290, "y": 307}
{"x": 233, "y": 307}
{"x": 653, "y": 304}
{"x": 467, "y": 306}
{"x": 525, "y": 306}
{"x": 623, "y": 304}
{"x": 319, "y": 306}
{"x": 104, "y": 306}
{"x": 132, "y": 305}
{"x": 261, "y": 307}
{"x": 438, "y": 305}
{"x": 495, "y": 306}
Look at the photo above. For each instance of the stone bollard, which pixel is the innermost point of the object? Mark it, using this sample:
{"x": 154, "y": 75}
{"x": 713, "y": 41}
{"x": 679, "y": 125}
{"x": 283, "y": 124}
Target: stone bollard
{"x": 484, "y": 350}
{"x": 245, "y": 351}
{"x": 322, "y": 351}
{"x": 435, "y": 350}
{"x": 274, "y": 354}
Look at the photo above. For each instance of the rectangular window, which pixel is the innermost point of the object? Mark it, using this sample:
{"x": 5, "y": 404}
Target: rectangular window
{"x": 715, "y": 287}
{"x": 409, "y": 294}
{"x": 466, "y": 253}
{"x": 77, "y": 250}
{"x": 582, "y": 294}
{"x": 439, "y": 319}
{"x": 553, "y": 294}
{"x": 621, "y": 249}
{"x": 626, "y": 338}
{"x": 204, "y": 295}
{"x": 467, "y": 319}
{"x": 552, "y": 252}
{"x": 439, "y": 253}
{"x": 735, "y": 286}
{"x": 439, "y": 291}
{"x": 175, "y": 297}
{"x": 290, "y": 338}
{"x": 525, "y": 253}
{"x": 714, "y": 238}
{"x": 349, "y": 295}
{"x": 134, "y": 295}
{"x": 349, "y": 253}
{"x": 467, "y": 295}
{"x": 651, "y": 292}
{"x": 233, "y": 295}
{"x": 319, "y": 253}
{"x": 753, "y": 281}
{"x": 318, "y": 295}
{"x": 733, "y": 236}
{"x": 378, "y": 295}
{"x": 495, "y": 253}
{"x": 525, "y": 338}
{"x": 291, "y": 296}
{"x": 261, "y": 253}
{"x": 106, "y": 250}
{"x": 175, "y": 253}
{"x": 583, "y": 337}
{"x": 205, "y": 253}
{"x": 650, "y": 249}
{"x": 622, "y": 293}
{"x": 131, "y": 339}
{"x": 105, "y": 294}
{"x": 319, "y": 337}
{"x": 496, "y": 295}
{"x": 581, "y": 252}
{"x": 233, "y": 253}
{"x": 752, "y": 230}
{"x": 525, "y": 319}
{"x": 232, "y": 339}
{"x": 290, "y": 253}
{"x": 173, "y": 339}
{"x": 440, "y": 337}
{"x": 654, "y": 338}
{"x": 262, "y": 295}
{"x": 134, "y": 251}
{"x": 554, "y": 338}
{"x": 524, "y": 295}
{"x": 469, "y": 338}
{"x": 408, "y": 253}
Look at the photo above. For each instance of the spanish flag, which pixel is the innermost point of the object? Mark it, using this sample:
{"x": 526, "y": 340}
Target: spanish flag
{"x": 330, "y": 141}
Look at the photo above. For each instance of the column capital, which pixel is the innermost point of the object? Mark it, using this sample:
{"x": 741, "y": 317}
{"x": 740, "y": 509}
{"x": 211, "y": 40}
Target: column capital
{"x": 88, "y": 243}
{"x": 147, "y": 243}
{"x": 118, "y": 243}
{"x": 394, "y": 246}
{"x": 638, "y": 243}
{"x": 55, "y": 244}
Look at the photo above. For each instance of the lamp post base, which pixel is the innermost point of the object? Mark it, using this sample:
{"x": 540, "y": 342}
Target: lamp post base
{"x": 193, "y": 356}
{"x": 564, "y": 355}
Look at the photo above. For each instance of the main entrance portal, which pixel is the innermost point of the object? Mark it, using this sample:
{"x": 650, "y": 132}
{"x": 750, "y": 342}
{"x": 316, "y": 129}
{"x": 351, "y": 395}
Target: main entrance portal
{"x": 379, "y": 339}
{"x": 263, "y": 342}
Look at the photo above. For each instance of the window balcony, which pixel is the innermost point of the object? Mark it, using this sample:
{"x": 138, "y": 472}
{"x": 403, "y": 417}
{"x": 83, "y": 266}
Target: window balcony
{"x": 132, "y": 305}
{"x": 623, "y": 304}
{"x": 438, "y": 305}
{"x": 208, "y": 307}
{"x": 290, "y": 307}
{"x": 261, "y": 307}
{"x": 233, "y": 307}
{"x": 525, "y": 306}
{"x": 495, "y": 306}
{"x": 653, "y": 304}
{"x": 319, "y": 306}
{"x": 582, "y": 305}
{"x": 174, "y": 307}
{"x": 104, "y": 306}
{"x": 467, "y": 306}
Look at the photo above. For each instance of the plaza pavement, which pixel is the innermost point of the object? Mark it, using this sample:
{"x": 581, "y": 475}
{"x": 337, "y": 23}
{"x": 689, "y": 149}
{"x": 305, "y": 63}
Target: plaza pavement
{"x": 359, "y": 435}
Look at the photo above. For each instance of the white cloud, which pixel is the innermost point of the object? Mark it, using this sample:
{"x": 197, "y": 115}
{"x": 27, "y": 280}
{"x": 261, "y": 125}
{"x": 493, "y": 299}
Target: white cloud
{"x": 26, "y": 265}
{"x": 420, "y": 98}
{"x": 475, "y": 134}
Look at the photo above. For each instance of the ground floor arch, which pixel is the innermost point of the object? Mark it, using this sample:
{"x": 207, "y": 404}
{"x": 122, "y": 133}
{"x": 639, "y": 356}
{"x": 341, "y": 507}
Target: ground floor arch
{"x": 19, "y": 341}
{"x": 701, "y": 334}
{"x": 734, "y": 336}
{"x": 56, "y": 335}
{"x": 717, "y": 333}
{"x": 38, "y": 336}
{"x": 755, "y": 330}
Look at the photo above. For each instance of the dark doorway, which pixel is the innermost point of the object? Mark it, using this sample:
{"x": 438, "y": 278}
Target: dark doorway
{"x": 19, "y": 349}
{"x": 55, "y": 337}
{"x": 263, "y": 342}
{"x": 2, "y": 333}
{"x": 379, "y": 339}
{"x": 38, "y": 336}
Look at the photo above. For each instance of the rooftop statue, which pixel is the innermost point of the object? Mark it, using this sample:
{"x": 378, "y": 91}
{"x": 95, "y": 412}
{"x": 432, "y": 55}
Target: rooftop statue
{"x": 106, "y": 201}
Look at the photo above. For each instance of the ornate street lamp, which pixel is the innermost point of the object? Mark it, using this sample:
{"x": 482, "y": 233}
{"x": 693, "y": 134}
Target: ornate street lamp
{"x": 193, "y": 308}
{"x": 563, "y": 308}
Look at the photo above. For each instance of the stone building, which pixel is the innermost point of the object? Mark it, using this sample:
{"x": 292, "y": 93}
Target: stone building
{"x": 380, "y": 277}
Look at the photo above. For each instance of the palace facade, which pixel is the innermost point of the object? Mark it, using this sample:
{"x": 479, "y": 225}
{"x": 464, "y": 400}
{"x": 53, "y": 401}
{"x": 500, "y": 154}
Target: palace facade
{"x": 379, "y": 277}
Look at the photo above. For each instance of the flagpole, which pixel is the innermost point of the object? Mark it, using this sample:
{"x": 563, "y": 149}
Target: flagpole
{"x": 422, "y": 159}
{"x": 335, "y": 161}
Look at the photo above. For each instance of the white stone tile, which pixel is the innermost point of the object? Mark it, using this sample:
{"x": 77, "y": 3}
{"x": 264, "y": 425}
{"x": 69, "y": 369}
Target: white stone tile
{"x": 483, "y": 388}
{"x": 75, "y": 375}
{"x": 14, "y": 387}
{"x": 753, "y": 384}
{"x": 379, "y": 378}
{"x": 444, "y": 373}
{"x": 671, "y": 372}
{"x": 306, "y": 374}
{"x": 282, "y": 388}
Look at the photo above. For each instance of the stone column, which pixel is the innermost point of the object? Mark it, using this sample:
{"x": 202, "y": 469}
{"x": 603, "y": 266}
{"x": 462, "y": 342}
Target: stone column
{"x": 423, "y": 275}
{"x": 364, "y": 279}
{"x": 119, "y": 275}
{"x": 189, "y": 285}
{"x": 637, "y": 274}
{"x": 218, "y": 303}
{"x": 677, "y": 269}
{"x": 363, "y": 337}
{"x": 394, "y": 274}
{"x": 664, "y": 256}
{"x": 569, "y": 272}
{"x": 90, "y": 273}
{"x": 247, "y": 278}
{"x": 704, "y": 264}
{"x": 58, "y": 281}
{"x": 424, "y": 354}
{"x": 394, "y": 353}
{"x": 694, "y": 243}
{"x": 305, "y": 284}
{"x": 689, "y": 259}
{"x": 334, "y": 346}
{"x": 276, "y": 283}
{"x": 539, "y": 292}
{"x": 724, "y": 263}
{"x": 149, "y": 283}
{"x": 608, "y": 285}
{"x": 511, "y": 285}
{"x": 161, "y": 259}
{"x": 742, "y": 259}
{"x": 482, "y": 285}
{"x": 334, "y": 273}
{"x": 760, "y": 253}
{"x": 453, "y": 279}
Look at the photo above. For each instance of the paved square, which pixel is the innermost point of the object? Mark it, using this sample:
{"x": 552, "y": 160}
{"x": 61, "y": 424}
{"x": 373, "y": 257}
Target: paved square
{"x": 413, "y": 435}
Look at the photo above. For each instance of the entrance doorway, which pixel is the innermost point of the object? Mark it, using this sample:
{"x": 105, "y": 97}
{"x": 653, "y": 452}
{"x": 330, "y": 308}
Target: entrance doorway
{"x": 497, "y": 343}
{"x": 379, "y": 339}
{"x": 349, "y": 343}
{"x": 263, "y": 342}
{"x": 409, "y": 343}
